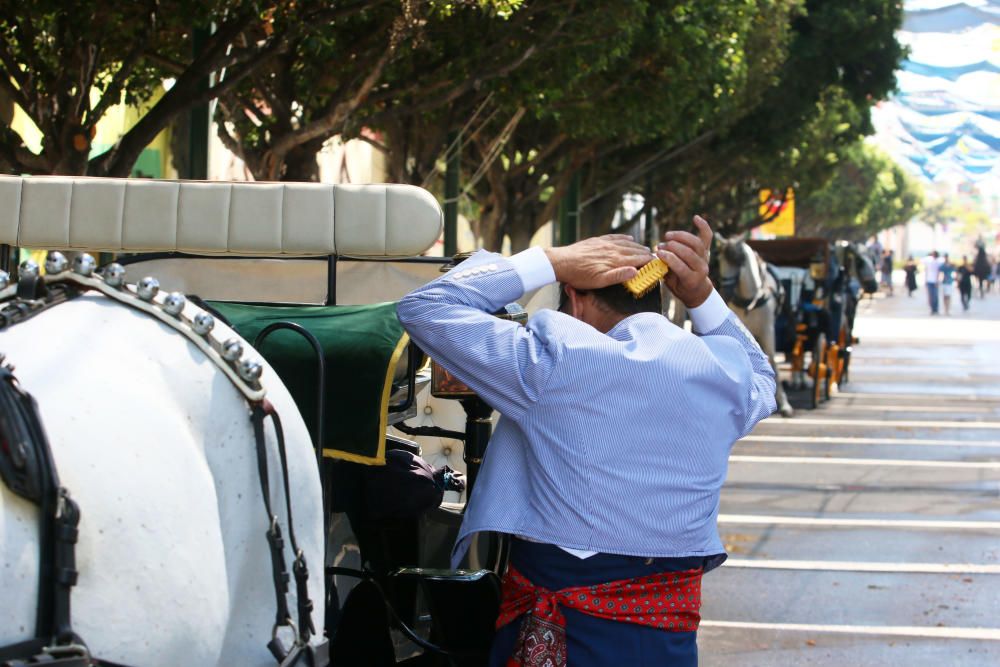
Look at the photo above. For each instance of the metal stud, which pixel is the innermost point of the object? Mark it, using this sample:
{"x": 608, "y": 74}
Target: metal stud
{"x": 232, "y": 349}
{"x": 203, "y": 323}
{"x": 174, "y": 303}
{"x": 147, "y": 288}
{"x": 250, "y": 369}
{"x": 4, "y": 279}
{"x": 114, "y": 274}
{"x": 56, "y": 262}
{"x": 84, "y": 264}
{"x": 28, "y": 269}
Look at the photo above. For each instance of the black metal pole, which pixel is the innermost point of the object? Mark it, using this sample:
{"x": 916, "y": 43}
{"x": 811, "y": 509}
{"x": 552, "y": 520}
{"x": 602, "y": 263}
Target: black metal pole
{"x": 478, "y": 429}
{"x": 451, "y": 176}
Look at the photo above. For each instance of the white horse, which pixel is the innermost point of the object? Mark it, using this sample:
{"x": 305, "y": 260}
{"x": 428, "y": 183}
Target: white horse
{"x": 152, "y": 437}
{"x": 155, "y": 445}
{"x": 754, "y": 295}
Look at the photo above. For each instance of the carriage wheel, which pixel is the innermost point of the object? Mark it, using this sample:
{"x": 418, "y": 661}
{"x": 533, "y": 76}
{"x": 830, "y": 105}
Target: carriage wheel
{"x": 819, "y": 370}
{"x": 832, "y": 368}
{"x": 844, "y": 352}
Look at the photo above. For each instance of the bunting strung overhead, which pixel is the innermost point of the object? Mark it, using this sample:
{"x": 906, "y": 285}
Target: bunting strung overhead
{"x": 944, "y": 121}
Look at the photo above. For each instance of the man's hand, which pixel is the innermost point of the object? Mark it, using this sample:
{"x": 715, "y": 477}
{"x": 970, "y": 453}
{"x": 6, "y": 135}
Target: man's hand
{"x": 687, "y": 256}
{"x": 598, "y": 262}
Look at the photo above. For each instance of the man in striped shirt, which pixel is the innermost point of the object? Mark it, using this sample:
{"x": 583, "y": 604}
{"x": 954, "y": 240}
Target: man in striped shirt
{"x": 612, "y": 446}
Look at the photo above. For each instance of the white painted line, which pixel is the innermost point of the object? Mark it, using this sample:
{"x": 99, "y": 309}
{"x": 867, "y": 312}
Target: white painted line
{"x": 852, "y": 566}
{"x": 830, "y": 522}
{"x": 851, "y": 407}
{"x": 842, "y": 440}
{"x": 986, "y": 634}
{"x": 889, "y": 423}
{"x": 823, "y": 460}
{"x": 872, "y": 395}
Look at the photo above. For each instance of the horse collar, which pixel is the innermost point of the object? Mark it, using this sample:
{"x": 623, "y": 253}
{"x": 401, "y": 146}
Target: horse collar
{"x": 34, "y": 293}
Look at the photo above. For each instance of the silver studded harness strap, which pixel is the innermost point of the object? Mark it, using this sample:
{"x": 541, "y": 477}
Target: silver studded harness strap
{"x": 34, "y": 469}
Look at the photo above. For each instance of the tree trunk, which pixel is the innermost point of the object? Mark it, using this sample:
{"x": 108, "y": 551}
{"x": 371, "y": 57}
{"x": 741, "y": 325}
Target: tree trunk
{"x": 301, "y": 164}
{"x": 520, "y": 237}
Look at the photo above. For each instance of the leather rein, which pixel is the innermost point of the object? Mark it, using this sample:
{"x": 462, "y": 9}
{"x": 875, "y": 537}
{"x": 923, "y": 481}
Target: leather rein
{"x": 28, "y": 469}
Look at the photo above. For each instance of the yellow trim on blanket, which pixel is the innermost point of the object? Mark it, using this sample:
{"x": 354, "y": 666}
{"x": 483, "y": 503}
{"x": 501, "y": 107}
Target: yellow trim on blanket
{"x": 379, "y": 458}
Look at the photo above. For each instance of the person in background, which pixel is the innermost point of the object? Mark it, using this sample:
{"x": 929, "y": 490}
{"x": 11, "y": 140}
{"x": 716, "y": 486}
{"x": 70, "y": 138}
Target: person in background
{"x": 947, "y": 283}
{"x": 887, "y": 260}
{"x": 911, "y": 275}
{"x": 965, "y": 282}
{"x": 982, "y": 268}
{"x": 932, "y": 275}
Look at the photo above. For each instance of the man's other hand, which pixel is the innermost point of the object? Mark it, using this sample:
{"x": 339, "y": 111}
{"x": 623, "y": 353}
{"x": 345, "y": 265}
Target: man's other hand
{"x": 598, "y": 262}
{"x": 687, "y": 256}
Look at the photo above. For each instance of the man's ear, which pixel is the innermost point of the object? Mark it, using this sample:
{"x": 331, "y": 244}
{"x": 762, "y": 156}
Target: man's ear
{"x": 573, "y": 300}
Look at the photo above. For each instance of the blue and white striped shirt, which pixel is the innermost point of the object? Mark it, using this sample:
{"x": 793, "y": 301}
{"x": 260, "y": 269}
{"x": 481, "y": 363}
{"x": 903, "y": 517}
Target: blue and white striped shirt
{"x": 616, "y": 443}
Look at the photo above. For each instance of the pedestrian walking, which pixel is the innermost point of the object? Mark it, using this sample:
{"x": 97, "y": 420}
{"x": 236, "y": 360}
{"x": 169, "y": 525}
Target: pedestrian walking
{"x": 965, "y": 283}
{"x": 982, "y": 267}
{"x": 887, "y": 260}
{"x": 947, "y": 283}
{"x": 932, "y": 275}
{"x": 601, "y": 397}
{"x": 911, "y": 275}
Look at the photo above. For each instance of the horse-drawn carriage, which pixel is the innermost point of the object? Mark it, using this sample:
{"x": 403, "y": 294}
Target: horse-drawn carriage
{"x": 821, "y": 283}
{"x": 169, "y": 431}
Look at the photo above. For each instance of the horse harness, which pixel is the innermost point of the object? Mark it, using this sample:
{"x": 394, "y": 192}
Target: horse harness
{"x": 728, "y": 286}
{"x": 28, "y": 468}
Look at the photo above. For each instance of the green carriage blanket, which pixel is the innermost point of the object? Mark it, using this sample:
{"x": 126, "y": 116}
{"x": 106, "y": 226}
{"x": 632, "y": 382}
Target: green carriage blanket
{"x": 361, "y": 346}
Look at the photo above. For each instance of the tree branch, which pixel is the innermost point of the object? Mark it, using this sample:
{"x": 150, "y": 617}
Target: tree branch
{"x": 186, "y": 93}
{"x": 113, "y": 91}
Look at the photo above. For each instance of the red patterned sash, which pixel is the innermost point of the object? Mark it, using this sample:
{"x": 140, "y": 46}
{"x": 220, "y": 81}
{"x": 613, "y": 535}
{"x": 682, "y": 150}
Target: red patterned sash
{"x": 669, "y": 601}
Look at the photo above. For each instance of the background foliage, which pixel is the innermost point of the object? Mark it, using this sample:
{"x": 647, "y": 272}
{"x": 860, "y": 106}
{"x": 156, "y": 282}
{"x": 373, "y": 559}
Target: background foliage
{"x": 694, "y": 105}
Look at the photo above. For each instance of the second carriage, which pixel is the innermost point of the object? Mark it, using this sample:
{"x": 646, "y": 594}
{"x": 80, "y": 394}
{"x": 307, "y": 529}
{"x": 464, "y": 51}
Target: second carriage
{"x": 823, "y": 283}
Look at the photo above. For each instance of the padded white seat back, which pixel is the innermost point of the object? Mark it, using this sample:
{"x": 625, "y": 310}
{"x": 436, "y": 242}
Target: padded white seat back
{"x": 217, "y": 218}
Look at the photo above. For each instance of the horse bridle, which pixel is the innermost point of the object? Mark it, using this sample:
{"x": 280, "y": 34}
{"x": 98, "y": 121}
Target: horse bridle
{"x": 727, "y": 286}
{"x": 28, "y": 468}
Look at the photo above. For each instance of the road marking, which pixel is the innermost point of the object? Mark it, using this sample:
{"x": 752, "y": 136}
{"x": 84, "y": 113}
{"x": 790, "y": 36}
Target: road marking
{"x": 911, "y": 361}
{"x": 835, "y": 440}
{"x": 988, "y": 634}
{"x": 852, "y": 566}
{"x": 822, "y": 460}
{"x": 892, "y": 423}
{"x": 975, "y": 398}
{"x": 850, "y": 407}
{"x": 830, "y": 522}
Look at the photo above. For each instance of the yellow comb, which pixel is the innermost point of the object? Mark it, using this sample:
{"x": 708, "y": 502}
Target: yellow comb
{"x": 647, "y": 278}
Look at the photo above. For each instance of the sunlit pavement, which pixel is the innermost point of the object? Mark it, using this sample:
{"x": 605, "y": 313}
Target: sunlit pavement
{"x": 867, "y": 532}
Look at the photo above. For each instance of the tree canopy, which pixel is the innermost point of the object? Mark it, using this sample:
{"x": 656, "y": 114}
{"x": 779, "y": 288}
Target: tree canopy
{"x": 694, "y": 105}
{"x": 867, "y": 193}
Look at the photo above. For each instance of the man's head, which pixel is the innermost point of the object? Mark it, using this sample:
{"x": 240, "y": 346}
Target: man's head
{"x": 605, "y": 307}
{"x": 934, "y": 254}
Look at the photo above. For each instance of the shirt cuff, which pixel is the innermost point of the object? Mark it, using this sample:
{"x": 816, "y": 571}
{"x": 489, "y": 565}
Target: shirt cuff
{"x": 709, "y": 315}
{"x": 533, "y": 267}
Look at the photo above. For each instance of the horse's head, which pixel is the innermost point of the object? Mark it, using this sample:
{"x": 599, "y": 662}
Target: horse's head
{"x": 738, "y": 272}
{"x": 730, "y": 254}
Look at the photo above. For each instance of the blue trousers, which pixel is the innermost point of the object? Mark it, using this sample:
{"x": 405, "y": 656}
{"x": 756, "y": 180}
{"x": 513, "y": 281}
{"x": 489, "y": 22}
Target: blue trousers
{"x": 592, "y": 641}
{"x": 932, "y": 296}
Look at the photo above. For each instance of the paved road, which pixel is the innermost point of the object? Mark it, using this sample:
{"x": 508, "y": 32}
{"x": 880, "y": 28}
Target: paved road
{"x": 867, "y": 532}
